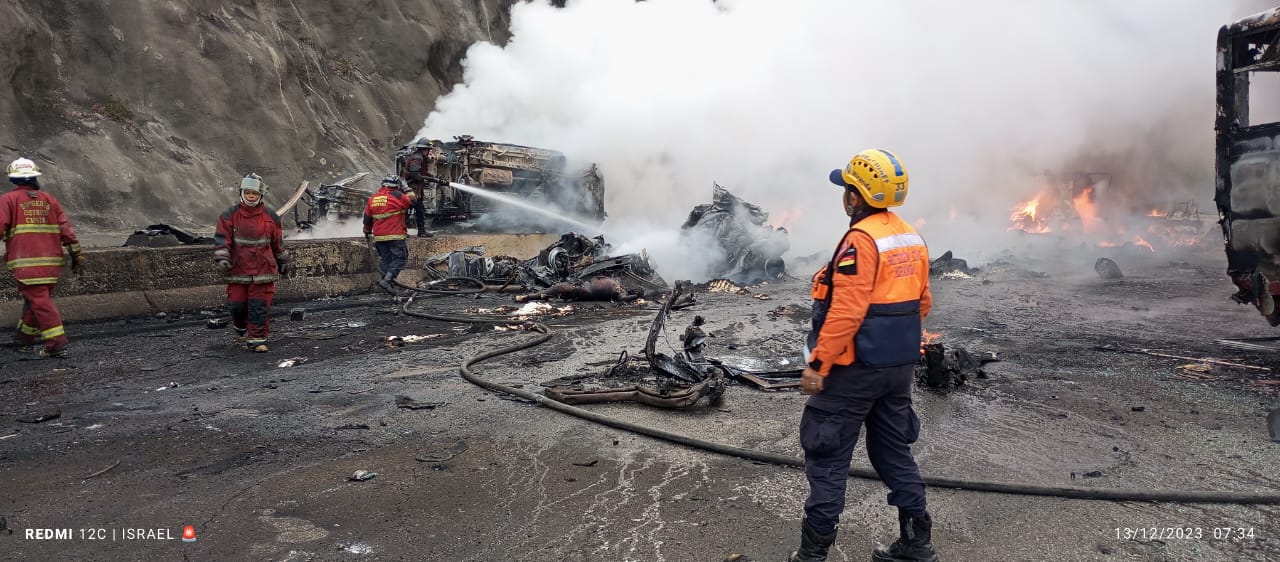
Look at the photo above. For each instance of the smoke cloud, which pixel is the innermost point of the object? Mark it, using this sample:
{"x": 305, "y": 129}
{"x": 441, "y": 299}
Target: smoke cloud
{"x": 766, "y": 97}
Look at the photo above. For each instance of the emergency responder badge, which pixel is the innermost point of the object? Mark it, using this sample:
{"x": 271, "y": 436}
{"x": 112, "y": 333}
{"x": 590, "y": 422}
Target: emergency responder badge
{"x": 848, "y": 262}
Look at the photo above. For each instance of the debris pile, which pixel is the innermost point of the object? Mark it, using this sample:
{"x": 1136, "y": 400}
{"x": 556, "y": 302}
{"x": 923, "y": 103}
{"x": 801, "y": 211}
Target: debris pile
{"x": 941, "y": 368}
{"x": 334, "y": 203}
{"x": 750, "y": 250}
{"x": 163, "y": 236}
{"x": 573, "y": 268}
{"x": 669, "y": 381}
{"x": 947, "y": 266}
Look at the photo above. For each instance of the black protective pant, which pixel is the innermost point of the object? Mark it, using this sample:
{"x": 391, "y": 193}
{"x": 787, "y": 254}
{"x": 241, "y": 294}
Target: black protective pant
{"x": 829, "y": 427}
{"x": 392, "y": 256}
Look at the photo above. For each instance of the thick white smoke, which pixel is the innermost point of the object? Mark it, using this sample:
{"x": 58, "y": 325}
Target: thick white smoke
{"x": 766, "y": 97}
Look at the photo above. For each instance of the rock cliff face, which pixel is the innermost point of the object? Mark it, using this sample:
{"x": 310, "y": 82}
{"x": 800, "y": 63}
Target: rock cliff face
{"x": 145, "y": 111}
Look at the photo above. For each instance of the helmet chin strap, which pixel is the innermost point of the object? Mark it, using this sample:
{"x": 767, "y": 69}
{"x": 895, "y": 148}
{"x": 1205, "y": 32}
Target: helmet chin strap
{"x": 253, "y": 204}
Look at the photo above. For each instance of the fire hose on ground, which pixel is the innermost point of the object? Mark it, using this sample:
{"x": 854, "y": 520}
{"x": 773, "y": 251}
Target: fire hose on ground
{"x": 1072, "y": 492}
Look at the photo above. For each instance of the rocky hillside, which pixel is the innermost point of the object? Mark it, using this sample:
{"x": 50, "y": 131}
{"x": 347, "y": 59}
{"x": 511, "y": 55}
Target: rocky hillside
{"x": 145, "y": 111}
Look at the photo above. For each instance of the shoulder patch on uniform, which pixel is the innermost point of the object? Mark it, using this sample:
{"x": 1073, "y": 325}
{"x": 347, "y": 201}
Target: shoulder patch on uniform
{"x": 847, "y": 263}
{"x": 230, "y": 211}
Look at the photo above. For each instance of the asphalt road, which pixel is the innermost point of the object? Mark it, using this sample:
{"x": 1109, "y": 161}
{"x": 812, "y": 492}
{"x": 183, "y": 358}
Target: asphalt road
{"x": 257, "y": 456}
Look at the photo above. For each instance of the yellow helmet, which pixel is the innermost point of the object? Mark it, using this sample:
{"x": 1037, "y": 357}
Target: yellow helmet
{"x": 23, "y": 168}
{"x": 878, "y": 175}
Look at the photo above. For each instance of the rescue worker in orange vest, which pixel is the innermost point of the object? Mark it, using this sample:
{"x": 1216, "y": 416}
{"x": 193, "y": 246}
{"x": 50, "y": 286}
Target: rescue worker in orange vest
{"x": 35, "y": 229}
{"x": 385, "y": 225}
{"x": 249, "y": 251}
{"x": 869, "y": 303}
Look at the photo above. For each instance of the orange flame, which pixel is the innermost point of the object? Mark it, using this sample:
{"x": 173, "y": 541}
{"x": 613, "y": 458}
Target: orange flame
{"x": 787, "y": 217}
{"x": 1087, "y": 209}
{"x": 1138, "y": 241}
{"x": 1154, "y": 213}
{"x": 1024, "y": 217}
{"x": 927, "y": 337}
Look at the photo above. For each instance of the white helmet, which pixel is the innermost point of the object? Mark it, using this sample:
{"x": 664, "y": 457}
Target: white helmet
{"x": 252, "y": 182}
{"x": 23, "y": 168}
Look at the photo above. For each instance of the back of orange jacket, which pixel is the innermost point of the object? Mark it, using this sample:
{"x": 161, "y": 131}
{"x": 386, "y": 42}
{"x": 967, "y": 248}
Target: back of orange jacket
{"x": 870, "y": 300}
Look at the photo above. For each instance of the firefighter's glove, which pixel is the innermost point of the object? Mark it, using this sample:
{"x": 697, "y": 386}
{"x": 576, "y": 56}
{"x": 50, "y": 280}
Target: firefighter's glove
{"x": 284, "y": 265}
{"x": 77, "y": 262}
{"x": 368, "y": 238}
{"x": 223, "y": 264}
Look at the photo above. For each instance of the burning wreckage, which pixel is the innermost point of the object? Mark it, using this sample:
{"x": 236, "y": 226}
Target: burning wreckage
{"x": 577, "y": 267}
{"x": 750, "y": 251}
{"x": 1247, "y": 161}
{"x": 537, "y": 175}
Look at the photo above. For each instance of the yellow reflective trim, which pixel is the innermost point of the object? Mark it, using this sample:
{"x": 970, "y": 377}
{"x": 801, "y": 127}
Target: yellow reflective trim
{"x": 251, "y": 241}
{"x": 34, "y": 262}
{"x": 73, "y": 248}
{"x": 388, "y": 237}
{"x": 35, "y": 228}
{"x": 38, "y": 280}
{"x": 381, "y": 216}
{"x": 27, "y": 330}
{"x": 53, "y": 332}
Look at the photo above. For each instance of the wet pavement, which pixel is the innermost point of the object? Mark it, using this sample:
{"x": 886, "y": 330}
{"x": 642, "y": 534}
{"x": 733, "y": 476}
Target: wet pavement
{"x": 257, "y": 457}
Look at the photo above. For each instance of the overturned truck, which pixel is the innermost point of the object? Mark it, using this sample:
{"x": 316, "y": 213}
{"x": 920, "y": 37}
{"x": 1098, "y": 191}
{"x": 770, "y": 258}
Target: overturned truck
{"x": 537, "y": 175}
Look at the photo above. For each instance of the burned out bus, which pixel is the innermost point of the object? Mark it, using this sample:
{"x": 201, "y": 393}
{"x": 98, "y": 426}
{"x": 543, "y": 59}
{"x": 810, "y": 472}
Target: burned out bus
{"x": 1247, "y": 158}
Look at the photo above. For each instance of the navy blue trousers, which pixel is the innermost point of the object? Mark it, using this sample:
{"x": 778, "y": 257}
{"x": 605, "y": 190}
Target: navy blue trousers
{"x": 392, "y": 256}
{"x": 853, "y": 396}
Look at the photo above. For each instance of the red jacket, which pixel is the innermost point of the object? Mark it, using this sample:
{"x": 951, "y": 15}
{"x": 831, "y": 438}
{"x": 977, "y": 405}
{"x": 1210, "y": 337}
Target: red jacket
{"x": 252, "y": 240}
{"x": 384, "y": 215}
{"x": 35, "y": 228}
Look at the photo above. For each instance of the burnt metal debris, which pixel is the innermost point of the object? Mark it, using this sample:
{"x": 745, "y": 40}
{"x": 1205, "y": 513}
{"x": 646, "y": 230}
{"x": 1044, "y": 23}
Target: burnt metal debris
{"x": 948, "y": 265}
{"x": 750, "y": 249}
{"x": 163, "y": 235}
{"x": 1107, "y": 268}
{"x": 1246, "y": 161}
{"x": 570, "y": 266}
{"x": 539, "y": 175}
{"x": 680, "y": 381}
{"x": 336, "y": 203}
{"x": 940, "y": 367}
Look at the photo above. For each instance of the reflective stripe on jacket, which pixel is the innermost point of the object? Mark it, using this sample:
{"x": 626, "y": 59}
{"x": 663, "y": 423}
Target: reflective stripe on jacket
{"x": 34, "y": 228}
{"x": 384, "y": 215}
{"x": 871, "y": 298}
{"x": 252, "y": 239}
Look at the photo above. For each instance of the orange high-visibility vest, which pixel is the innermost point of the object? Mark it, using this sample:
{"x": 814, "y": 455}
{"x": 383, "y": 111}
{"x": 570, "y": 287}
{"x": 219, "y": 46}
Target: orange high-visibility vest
{"x": 890, "y": 333}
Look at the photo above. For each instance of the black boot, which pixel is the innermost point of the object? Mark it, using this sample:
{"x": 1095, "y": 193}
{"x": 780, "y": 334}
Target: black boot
{"x": 914, "y": 544}
{"x": 813, "y": 547}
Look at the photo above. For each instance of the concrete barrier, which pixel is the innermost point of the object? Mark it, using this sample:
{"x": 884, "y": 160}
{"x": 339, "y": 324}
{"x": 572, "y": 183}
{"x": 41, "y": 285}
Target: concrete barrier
{"x": 119, "y": 282}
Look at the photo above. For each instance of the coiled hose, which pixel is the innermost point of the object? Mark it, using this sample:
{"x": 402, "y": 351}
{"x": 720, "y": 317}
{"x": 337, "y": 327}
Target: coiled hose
{"x": 1073, "y": 492}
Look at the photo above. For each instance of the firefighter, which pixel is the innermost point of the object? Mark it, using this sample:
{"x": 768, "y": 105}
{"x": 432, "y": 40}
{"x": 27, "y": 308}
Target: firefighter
{"x": 414, "y": 174}
{"x": 869, "y": 303}
{"x": 35, "y": 229}
{"x": 384, "y": 225}
{"x": 249, "y": 251}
